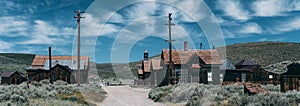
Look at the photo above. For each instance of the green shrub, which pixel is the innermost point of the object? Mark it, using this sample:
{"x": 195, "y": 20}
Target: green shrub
{"x": 232, "y": 94}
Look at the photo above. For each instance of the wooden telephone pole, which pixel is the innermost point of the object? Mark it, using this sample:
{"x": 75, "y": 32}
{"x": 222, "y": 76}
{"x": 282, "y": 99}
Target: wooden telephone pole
{"x": 171, "y": 69}
{"x": 78, "y": 48}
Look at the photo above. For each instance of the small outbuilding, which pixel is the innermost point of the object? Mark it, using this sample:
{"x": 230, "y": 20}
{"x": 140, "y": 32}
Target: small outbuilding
{"x": 12, "y": 78}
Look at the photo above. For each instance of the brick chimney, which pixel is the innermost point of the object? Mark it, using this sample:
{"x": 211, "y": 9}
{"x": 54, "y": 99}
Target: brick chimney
{"x": 185, "y": 46}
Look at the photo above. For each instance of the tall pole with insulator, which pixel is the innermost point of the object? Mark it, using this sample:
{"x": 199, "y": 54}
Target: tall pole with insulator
{"x": 78, "y": 16}
{"x": 171, "y": 69}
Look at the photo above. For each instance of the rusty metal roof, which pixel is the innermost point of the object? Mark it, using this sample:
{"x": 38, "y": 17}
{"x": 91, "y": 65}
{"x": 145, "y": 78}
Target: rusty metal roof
{"x": 182, "y": 56}
{"x": 42, "y": 61}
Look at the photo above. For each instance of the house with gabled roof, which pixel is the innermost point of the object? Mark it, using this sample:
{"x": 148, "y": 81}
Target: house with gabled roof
{"x": 62, "y": 68}
{"x": 206, "y": 64}
{"x": 151, "y": 73}
{"x": 201, "y": 66}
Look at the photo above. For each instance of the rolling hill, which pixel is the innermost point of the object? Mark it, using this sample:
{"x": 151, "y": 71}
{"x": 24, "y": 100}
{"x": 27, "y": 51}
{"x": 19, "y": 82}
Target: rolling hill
{"x": 15, "y": 62}
{"x": 264, "y": 53}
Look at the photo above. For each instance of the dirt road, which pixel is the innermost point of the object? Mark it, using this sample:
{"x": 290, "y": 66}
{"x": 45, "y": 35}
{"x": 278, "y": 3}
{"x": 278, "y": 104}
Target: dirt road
{"x": 127, "y": 96}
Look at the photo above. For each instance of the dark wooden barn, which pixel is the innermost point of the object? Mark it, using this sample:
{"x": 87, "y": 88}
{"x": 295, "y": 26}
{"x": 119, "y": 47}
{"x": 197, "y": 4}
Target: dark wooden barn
{"x": 290, "y": 80}
{"x": 63, "y": 68}
{"x": 249, "y": 71}
{"x": 58, "y": 72}
{"x": 12, "y": 78}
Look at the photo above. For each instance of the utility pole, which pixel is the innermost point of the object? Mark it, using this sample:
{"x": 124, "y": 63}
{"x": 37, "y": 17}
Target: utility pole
{"x": 171, "y": 69}
{"x": 50, "y": 65}
{"x": 78, "y": 13}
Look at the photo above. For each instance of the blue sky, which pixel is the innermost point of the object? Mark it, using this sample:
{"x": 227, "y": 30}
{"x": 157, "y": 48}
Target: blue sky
{"x": 120, "y": 31}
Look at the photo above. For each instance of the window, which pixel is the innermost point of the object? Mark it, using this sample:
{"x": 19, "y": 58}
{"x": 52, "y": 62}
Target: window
{"x": 221, "y": 77}
{"x": 209, "y": 76}
{"x": 243, "y": 77}
{"x": 270, "y": 76}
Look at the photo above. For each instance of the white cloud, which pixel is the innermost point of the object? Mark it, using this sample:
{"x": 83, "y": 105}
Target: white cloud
{"x": 140, "y": 10}
{"x": 195, "y": 10}
{"x": 13, "y": 26}
{"x": 92, "y": 26}
{"x": 41, "y": 32}
{"x": 285, "y": 26}
{"x": 5, "y": 46}
{"x": 234, "y": 9}
{"x": 227, "y": 34}
{"x": 115, "y": 17}
{"x": 275, "y": 39}
{"x": 268, "y": 8}
{"x": 45, "y": 29}
{"x": 152, "y": 27}
{"x": 251, "y": 28}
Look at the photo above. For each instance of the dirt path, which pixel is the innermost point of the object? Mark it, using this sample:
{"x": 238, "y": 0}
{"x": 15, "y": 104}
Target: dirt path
{"x": 127, "y": 96}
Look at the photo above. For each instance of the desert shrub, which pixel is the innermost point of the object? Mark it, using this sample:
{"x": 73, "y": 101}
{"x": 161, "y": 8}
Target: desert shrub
{"x": 181, "y": 93}
{"x": 20, "y": 95}
{"x": 232, "y": 94}
{"x": 194, "y": 101}
{"x": 36, "y": 84}
{"x": 45, "y": 82}
{"x": 158, "y": 93}
{"x": 271, "y": 87}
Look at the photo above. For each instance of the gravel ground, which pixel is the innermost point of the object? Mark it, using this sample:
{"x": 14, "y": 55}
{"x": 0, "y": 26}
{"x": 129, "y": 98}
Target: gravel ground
{"x": 127, "y": 96}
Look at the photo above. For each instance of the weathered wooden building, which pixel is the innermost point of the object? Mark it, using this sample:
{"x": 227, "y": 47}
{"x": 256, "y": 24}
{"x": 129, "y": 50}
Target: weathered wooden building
{"x": 290, "y": 80}
{"x": 62, "y": 68}
{"x": 12, "y": 78}
{"x": 151, "y": 72}
{"x": 248, "y": 71}
{"x": 202, "y": 66}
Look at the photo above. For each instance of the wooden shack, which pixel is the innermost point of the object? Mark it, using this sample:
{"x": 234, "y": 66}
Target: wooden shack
{"x": 290, "y": 80}
{"x": 249, "y": 71}
{"x": 63, "y": 68}
{"x": 12, "y": 78}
